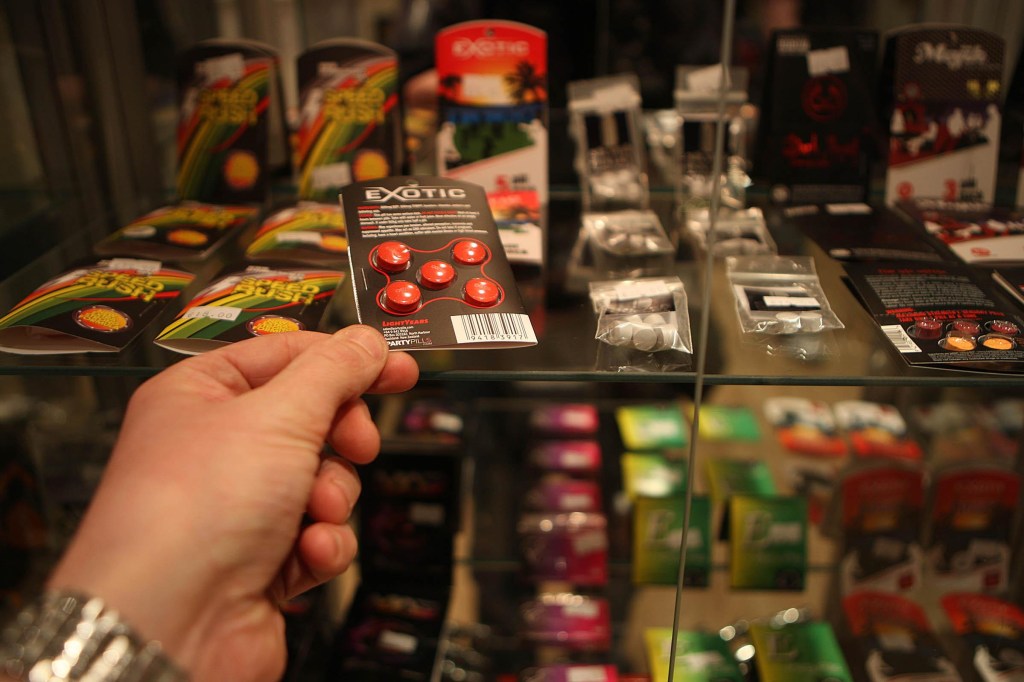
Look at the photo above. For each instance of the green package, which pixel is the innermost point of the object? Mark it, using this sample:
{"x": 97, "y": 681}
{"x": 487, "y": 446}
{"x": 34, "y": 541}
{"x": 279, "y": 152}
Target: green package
{"x": 768, "y": 548}
{"x": 652, "y": 474}
{"x": 728, "y": 477}
{"x": 657, "y": 532}
{"x": 720, "y": 422}
{"x": 700, "y": 656}
{"x": 652, "y": 427}
{"x": 798, "y": 652}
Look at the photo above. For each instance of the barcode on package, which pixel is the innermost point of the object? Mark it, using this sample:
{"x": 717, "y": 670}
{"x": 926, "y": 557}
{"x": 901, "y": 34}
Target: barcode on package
{"x": 493, "y": 327}
{"x": 900, "y": 338}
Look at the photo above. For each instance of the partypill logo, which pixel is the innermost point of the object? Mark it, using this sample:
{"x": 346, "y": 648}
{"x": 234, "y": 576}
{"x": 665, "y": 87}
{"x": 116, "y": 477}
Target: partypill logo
{"x": 484, "y": 48}
{"x": 953, "y": 58}
{"x": 413, "y": 193}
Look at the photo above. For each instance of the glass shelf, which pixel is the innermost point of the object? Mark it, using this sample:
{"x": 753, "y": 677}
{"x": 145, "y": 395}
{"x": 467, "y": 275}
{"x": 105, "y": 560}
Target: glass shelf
{"x": 567, "y": 351}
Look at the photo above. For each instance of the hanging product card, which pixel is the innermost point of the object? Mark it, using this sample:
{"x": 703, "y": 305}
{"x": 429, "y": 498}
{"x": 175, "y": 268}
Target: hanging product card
{"x": 227, "y": 89}
{"x": 768, "y": 542}
{"x": 428, "y": 268}
{"x": 940, "y": 315}
{"x": 184, "y": 232}
{"x": 895, "y": 639}
{"x": 349, "y": 126}
{"x": 308, "y": 233}
{"x": 992, "y": 631}
{"x": 652, "y": 427}
{"x": 944, "y": 112}
{"x": 493, "y": 114}
{"x": 252, "y": 302}
{"x": 570, "y": 547}
{"x": 882, "y": 510}
{"x": 876, "y": 430}
{"x": 798, "y": 652}
{"x": 568, "y": 621}
{"x": 977, "y": 233}
{"x": 96, "y": 308}
{"x": 653, "y": 474}
{"x": 700, "y": 656}
{"x": 818, "y": 127}
{"x": 657, "y": 534}
{"x": 857, "y": 232}
{"x": 971, "y": 533}
{"x": 803, "y": 426}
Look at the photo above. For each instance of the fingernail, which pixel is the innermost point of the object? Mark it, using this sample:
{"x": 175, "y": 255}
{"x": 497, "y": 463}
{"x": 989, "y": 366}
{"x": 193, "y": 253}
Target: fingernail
{"x": 367, "y": 338}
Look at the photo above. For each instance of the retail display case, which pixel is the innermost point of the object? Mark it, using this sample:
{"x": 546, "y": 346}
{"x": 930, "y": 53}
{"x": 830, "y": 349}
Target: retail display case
{"x": 488, "y": 401}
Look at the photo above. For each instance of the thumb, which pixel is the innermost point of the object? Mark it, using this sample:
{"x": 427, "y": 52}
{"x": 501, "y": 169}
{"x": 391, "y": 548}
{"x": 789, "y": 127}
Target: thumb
{"x": 326, "y": 375}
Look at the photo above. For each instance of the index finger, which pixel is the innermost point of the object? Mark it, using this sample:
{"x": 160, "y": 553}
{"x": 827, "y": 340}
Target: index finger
{"x": 249, "y": 364}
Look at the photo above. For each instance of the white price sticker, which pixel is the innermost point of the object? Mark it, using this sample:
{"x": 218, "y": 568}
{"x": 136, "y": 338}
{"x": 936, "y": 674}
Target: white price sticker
{"x": 708, "y": 79}
{"x": 485, "y": 87}
{"x": 629, "y": 291}
{"x": 586, "y": 673}
{"x": 584, "y": 609}
{"x": 830, "y": 60}
{"x": 790, "y": 302}
{"x": 212, "y": 312}
{"x": 856, "y": 208}
{"x": 589, "y": 542}
{"x": 390, "y": 640}
{"x": 332, "y": 175}
{"x": 143, "y": 267}
{"x": 426, "y": 514}
{"x": 299, "y": 237}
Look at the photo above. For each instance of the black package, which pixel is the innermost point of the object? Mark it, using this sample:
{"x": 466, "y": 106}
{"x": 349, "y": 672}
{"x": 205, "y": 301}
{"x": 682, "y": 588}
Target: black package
{"x": 818, "y": 121}
{"x": 408, "y": 516}
{"x": 857, "y": 232}
{"x": 390, "y": 633}
{"x": 940, "y": 315}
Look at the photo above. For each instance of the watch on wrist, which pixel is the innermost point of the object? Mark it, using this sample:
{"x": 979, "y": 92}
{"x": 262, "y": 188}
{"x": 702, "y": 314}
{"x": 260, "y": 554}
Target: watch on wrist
{"x": 64, "y": 636}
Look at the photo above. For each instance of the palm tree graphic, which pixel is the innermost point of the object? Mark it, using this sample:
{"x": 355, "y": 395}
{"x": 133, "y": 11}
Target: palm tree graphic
{"x": 525, "y": 84}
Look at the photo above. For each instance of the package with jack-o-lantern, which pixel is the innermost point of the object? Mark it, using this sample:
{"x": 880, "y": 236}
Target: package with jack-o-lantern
{"x": 818, "y": 118}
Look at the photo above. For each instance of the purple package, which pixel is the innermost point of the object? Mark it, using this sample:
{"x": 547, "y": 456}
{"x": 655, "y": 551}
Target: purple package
{"x": 555, "y": 494}
{"x": 571, "y": 547}
{"x": 571, "y": 621}
{"x": 570, "y": 456}
{"x": 571, "y": 419}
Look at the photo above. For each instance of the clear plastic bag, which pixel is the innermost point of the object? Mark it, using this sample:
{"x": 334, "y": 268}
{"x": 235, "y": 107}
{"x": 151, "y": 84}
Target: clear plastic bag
{"x": 646, "y": 321}
{"x": 605, "y": 121}
{"x": 736, "y": 233}
{"x": 779, "y": 295}
{"x": 621, "y": 244}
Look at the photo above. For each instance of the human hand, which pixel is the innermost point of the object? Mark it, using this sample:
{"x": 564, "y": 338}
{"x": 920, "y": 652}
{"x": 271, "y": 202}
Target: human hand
{"x": 195, "y": 534}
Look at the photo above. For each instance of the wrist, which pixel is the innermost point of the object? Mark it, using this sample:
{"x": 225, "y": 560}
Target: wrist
{"x": 66, "y": 636}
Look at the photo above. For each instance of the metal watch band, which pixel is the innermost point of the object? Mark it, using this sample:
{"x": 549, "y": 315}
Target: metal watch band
{"x": 63, "y": 637}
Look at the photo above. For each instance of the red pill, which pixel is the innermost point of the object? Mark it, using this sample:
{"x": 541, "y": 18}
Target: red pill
{"x": 436, "y": 274}
{"x": 482, "y": 292}
{"x": 470, "y": 252}
{"x": 402, "y": 297}
{"x": 392, "y": 256}
{"x": 967, "y": 327}
{"x": 927, "y": 328}
{"x": 1003, "y": 327}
